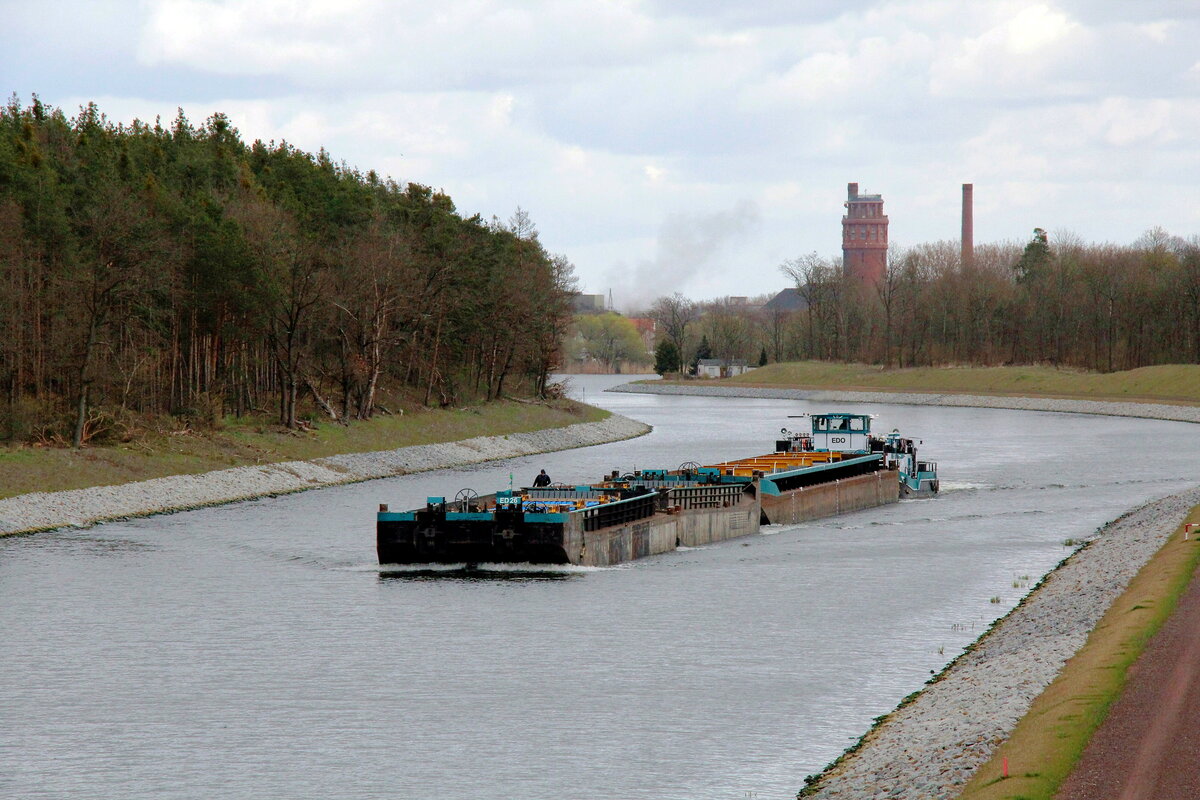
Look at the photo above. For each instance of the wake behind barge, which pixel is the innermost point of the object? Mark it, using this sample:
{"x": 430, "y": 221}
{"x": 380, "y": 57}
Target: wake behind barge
{"x": 835, "y": 468}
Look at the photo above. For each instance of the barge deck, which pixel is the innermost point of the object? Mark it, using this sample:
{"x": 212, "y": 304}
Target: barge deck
{"x": 647, "y": 512}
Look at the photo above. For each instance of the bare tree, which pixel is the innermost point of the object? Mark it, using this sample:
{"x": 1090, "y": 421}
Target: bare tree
{"x": 818, "y": 284}
{"x": 674, "y": 315}
{"x": 121, "y": 248}
{"x": 728, "y": 329}
{"x": 888, "y": 292}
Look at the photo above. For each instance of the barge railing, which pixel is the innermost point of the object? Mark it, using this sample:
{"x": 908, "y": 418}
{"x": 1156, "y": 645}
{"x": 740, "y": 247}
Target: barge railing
{"x": 707, "y": 496}
{"x": 619, "y": 512}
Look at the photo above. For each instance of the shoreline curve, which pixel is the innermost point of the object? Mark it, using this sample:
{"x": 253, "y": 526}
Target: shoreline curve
{"x": 1109, "y": 408}
{"x": 42, "y": 511}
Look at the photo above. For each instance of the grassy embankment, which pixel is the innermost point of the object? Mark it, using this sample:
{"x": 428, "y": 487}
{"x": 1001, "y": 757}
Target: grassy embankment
{"x": 1047, "y": 743}
{"x": 1177, "y": 384}
{"x": 158, "y": 453}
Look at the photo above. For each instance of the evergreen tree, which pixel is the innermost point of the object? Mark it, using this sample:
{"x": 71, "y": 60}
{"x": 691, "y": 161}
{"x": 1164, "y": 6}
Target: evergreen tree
{"x": 1034, "y": 259}
{"x": 666, "y": 357}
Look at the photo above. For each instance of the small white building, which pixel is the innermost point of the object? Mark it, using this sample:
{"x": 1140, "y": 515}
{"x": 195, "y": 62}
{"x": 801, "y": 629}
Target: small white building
{"x": 721, "y": 368}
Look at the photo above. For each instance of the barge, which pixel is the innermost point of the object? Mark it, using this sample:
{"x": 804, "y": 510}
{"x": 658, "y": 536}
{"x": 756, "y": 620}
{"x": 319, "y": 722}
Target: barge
{"x": 836, "y": 467}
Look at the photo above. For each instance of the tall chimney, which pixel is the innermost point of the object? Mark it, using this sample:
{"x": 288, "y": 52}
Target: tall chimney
{"x": 851, "y": 191}
{"x": 968, "y": 225}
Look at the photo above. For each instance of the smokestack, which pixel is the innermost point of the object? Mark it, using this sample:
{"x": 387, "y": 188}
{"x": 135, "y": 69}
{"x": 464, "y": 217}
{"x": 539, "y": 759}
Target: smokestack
{"x": 851, "y": 191}
{"x": 968, "y": 225}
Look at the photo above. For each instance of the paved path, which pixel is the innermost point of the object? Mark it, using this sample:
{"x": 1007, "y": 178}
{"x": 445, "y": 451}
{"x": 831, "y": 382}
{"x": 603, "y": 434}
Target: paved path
{"x": 1148, "y": 748}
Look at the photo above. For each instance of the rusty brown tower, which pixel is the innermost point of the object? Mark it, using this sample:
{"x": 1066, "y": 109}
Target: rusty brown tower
{"x": 864, "y": 237}
{"x": 968, "y": 224}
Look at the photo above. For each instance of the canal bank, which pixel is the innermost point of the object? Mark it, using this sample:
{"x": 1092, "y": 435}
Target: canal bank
{"x": 40, "y": 511}
{"x": 1101, "y": 407}
{"x": 937, "y": 738}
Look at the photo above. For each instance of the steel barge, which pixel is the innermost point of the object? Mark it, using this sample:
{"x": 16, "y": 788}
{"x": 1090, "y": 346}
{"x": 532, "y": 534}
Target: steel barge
{"x": 836, "y": 467}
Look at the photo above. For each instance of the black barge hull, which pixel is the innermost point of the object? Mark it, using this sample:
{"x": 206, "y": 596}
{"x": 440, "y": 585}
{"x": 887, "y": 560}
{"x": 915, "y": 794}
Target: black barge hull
{"x": 656, "y": 522}
{"x": 431, "y": 538}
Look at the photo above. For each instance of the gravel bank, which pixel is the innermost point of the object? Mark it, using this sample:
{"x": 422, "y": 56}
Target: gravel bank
{"x": 1147, "y": 410}
{"x": 47, "y": 510}
{"x": 931, "y": 746}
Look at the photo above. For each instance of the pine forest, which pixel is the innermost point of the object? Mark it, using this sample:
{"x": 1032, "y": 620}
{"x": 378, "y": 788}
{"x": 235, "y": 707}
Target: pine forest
{"x": 154, "y": 270}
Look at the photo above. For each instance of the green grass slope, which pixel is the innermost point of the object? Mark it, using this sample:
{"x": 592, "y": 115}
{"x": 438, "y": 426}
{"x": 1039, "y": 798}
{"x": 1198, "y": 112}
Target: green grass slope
{"x": 156, "y": 454}
{"x": 1171, "y": 383}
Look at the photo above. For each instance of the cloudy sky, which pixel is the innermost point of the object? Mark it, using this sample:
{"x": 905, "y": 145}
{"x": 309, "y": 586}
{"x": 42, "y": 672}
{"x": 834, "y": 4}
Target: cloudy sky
{"x": 687, "y": 146}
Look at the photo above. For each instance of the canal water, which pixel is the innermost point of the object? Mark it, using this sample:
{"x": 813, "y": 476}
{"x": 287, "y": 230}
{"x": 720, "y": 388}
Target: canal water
{"x": 256, "y": 650}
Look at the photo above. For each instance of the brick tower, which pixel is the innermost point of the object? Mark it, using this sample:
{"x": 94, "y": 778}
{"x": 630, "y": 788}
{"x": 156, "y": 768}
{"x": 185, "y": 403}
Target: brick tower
{"x": 864, "y": 237}
{"x": 968, "y": 224}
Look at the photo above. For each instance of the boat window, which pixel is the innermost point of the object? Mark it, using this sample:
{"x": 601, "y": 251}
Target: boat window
{"x": 856, "y": 423}
{"x": 837, "y": 424}
{"x": 820, "y": 424}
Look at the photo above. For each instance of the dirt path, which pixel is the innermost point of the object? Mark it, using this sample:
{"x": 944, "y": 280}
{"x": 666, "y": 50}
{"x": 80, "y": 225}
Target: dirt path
{"x": 1148, "y": 748}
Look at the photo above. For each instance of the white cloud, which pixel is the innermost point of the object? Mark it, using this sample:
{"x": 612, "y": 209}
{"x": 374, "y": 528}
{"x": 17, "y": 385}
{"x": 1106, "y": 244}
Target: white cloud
{"x": 1021, "y": 50}
{"x": 401, "y": 44}
{"x": 251, "y": 36}
{"x": 629, "y": 129}
{"x": 1157, "y": 31}
{"x": 1122, "y": 122}
{"x": 1036, "y": 28}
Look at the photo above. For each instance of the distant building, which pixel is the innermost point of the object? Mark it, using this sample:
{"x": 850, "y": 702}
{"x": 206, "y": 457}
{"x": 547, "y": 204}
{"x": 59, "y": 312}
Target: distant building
{"x": 864, "y": 237}
{"x": 721, "y": 368}
{"x": 648, "y": 330}
{"x": 587, "y": 303}
{"x": 787, "y": 301}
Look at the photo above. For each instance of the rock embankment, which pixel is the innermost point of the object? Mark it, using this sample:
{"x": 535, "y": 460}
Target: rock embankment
{"x": 1109, "y": 408}
{"x": 930, "y": 746}
{"x": 46, "y": 510}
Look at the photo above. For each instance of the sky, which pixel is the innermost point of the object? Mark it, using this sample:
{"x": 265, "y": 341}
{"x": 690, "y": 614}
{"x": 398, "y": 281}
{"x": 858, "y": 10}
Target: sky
{"x": 678, "y": 146}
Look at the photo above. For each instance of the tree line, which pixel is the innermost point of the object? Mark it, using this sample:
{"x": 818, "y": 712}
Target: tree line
{"x": 1052, "y": 300}
{"x": 177, "y": 269}
{"x": 607, "y": 339}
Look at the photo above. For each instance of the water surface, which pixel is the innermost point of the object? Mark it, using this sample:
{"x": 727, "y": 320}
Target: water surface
{"x": 256, "y": 650}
